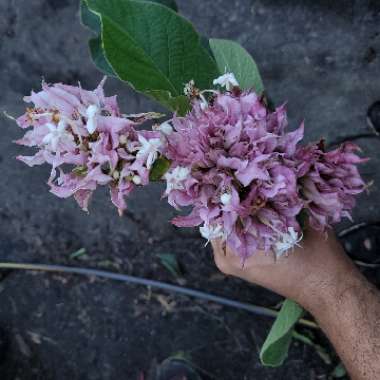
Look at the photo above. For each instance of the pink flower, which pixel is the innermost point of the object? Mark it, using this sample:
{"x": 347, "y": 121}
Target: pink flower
{"x": 247, "y": 179}
{"x": 329, "y": 181}
{"x": 85, "y": 130}
{"x": 238, "y": 181}
{"x": 233, "y": 162}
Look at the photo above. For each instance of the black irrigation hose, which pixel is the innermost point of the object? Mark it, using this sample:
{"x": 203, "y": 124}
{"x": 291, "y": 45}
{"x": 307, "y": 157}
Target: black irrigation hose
{"x": 258, "y": 310}
{"x": 356, "y": 227}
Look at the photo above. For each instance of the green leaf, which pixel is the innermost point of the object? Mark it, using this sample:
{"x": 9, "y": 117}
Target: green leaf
{"x": 170, "y": 262}
{"x": 80, "y": 252}
{"x": 339, "y": 371}
{"x": 80, "y": 171}
{"x": 159, "y": 168}
{"x": 89, "y": 19}
{"x": 154, "y": 49}
{"x": 276, "y": 345}
{"x": 92, "y": 21}
{"x": 180, "y": 104}
{"x": 232, "y": 57}
{"x": 169, "y": 3}
{"x": 98, "y": 56}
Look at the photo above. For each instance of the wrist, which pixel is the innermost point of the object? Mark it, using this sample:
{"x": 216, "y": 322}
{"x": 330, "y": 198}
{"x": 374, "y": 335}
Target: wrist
{"x": 327, "y": 293}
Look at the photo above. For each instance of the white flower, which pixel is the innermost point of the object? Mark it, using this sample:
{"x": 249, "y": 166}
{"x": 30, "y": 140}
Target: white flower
{"x": 210, "y": 232}
{"x": 226, "y": 80}
{"x": 175, "y": 178}
{"x": 225, "y": 198}
{"x": 57, "y": 134}
{"x": 166, "y": 128}
{"x": 92, "y": 112}
{"x": 287, "y": 241}
{"x": 148, "y": 150}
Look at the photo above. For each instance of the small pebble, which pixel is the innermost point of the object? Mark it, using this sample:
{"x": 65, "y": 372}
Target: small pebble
{"x": 367, "y": 244}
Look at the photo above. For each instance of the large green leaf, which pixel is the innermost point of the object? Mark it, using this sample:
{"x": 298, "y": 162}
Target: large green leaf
{"x": 232, "y": 57}
{"x": 92, "y": 21}
{"x": 98, "y": 56}
{"x": 180, "y": 103}
{"x": 169, "y": 3}
{"x": 276, "y": 345}
{"x": 154, "y": 49}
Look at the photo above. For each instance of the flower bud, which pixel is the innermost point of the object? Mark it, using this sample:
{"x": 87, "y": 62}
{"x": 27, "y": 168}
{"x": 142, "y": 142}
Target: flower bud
{"x": 136, "y": 180}
{"x": 225, "y": 198}
{"x": 165, "y": 128}
{"x": 91, "y": 113}
{"x": 123, "y": 139}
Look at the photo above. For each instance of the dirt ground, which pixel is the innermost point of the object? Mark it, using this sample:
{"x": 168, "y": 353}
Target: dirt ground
{"x": 321, "y": 57}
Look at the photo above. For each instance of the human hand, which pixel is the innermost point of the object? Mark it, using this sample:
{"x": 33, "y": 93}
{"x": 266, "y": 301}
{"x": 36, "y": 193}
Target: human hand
{"x": 313, "y": 270}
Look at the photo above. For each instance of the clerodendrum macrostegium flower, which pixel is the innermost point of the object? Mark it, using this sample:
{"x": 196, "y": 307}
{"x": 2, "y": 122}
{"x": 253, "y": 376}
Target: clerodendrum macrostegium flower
{"x": 245, "y": 178}
{"x": 328, "y": 182}
{"x": 232, "y": 161}
{"x": 84, "y": 130}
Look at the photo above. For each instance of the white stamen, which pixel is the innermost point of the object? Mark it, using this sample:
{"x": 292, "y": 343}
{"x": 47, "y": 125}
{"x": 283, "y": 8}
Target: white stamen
{"x": 287, "y": 241}
{"x": 204, "y": 103}
{"x": 7, "y": 115}
{"x": 210, "y": 232}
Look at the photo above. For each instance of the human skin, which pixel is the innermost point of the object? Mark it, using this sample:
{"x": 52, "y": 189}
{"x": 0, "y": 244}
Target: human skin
{"x": 320, "y": 277}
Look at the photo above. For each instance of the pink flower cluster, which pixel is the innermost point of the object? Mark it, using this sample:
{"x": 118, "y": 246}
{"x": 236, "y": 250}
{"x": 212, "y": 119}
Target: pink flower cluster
{"x": 232, "y": 161}
{"x": 328, "y": 182}
{"x": 83, "y": 136}
{"x": 246, "y": 178}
